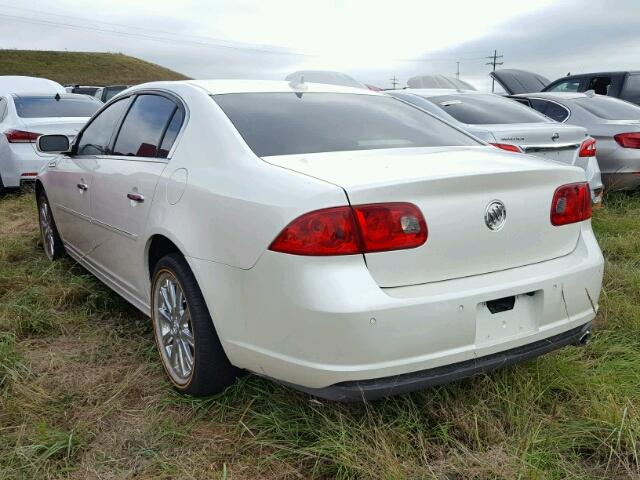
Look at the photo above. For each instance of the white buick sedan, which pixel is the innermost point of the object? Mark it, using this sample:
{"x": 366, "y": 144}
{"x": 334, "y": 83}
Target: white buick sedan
{"x": 334, "y": 239}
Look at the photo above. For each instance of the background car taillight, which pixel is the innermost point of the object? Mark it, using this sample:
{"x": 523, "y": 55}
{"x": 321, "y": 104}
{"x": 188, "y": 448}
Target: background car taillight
{"x": 571, "y": 203}
{"x": 350, "y": 230}
{"x": 588, "y": 148}
{"x": 628, "y": 140}
{"x": 508, "y": 147}
{"x": 20, "y": 136}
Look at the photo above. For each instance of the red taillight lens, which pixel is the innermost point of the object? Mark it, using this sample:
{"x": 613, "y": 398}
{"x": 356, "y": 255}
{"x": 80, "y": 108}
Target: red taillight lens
{"x": 331, "y": 231}
{"x": 571, "y": 203}
{"x": 20, "y": 136}
{"x": 628, "y": 140}
{"x": 588, "y": 148}
{"x": 390, "y": 226}
{"x": 347, "y": 230}
{"x": 508, "y": 147}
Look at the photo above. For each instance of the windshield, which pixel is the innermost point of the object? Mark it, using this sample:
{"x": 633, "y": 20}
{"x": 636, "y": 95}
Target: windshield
{"x": 486, "y": 109}
{"x": 609, "y": 108}
{"x": 42, "y": 107}
{"x": 294, "y": 123}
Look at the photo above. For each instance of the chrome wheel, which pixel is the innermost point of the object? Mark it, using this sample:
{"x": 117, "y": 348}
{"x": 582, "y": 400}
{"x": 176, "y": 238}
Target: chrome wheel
{"x": 173, "y": 328}
{"x": 46, "y": 229}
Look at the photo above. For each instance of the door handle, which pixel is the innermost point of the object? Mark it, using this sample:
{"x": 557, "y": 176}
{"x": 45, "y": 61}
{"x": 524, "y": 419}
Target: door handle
{"x": 83, "y": 187}
{"x": 136, "y": 197}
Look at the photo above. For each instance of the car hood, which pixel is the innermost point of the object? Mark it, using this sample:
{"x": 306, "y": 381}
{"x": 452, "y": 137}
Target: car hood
{"x": 519, "y": 81}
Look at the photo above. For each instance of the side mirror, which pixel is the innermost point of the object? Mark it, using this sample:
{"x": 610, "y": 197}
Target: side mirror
{"x": 53, "y": 143}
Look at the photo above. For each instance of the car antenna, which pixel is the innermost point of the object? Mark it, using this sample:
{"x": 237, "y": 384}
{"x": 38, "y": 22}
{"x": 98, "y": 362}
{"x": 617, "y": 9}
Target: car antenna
{"x": 300, "y": 85}
{"x": 57, "y": 97}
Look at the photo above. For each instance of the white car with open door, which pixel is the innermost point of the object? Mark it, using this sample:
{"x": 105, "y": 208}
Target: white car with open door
{"x": 331, "y": 238}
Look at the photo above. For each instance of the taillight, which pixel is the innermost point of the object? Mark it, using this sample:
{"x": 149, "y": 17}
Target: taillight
{"x": 588, "y": 148}
{"x": 350, "y": 230}
{"x": 508, "y": 147}
{"x": 628, "y": 140}
{"x": 20, "y": 136}
{"x": 571, "y": 203}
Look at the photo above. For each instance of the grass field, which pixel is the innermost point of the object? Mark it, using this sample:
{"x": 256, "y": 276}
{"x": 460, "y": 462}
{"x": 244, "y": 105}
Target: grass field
{"x": 82, "y": 394}
{"x": 85, "y": 68}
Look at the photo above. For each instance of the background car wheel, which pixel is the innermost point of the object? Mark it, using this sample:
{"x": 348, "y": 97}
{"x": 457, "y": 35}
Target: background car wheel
{"x": 187, "y": 342}
{"x": 51, "y": 242}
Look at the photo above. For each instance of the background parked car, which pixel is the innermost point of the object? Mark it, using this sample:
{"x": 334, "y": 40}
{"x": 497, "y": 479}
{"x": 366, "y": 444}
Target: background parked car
{"x": 104, "y": 94}
{"x": 624, "y": 85}
{"x": 82, "y": 89}
{"x": 26, "y": 116}
{"x": 438, "y": 81}
{"x": 614, "y": 123}
{"x": 506, "y": 124}
{"x": 20, "y": 84}
{"x": 326, "y": 77}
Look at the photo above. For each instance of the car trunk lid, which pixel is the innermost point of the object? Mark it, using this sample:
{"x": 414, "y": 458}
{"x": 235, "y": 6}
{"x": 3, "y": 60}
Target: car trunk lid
{"x": 453, "y": 188}
{"x": 551, "y": 141}
{"x": 69, "y": 126}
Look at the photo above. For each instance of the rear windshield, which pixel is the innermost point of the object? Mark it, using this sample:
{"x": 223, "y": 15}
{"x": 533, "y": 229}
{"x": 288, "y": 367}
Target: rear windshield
{"x": 290, "y": 123}
{"x": 42, "y": 107}
{"x": 486, "y": 109}
{"x": 609, "y": 108}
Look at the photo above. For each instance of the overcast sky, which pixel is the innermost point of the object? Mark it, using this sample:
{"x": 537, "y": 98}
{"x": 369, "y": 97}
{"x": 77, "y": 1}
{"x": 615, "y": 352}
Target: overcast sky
{"x": 370, "y": 40}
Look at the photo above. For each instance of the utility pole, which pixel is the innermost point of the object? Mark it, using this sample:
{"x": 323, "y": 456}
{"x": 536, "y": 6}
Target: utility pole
{"x": 494, "y": 61}
{"x": 394, "y": 82}
{"x": 458, "y": 70}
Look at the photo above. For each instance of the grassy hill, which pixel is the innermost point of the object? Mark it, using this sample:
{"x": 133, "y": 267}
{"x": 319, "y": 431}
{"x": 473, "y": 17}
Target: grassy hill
{"x": 86, "y": 68}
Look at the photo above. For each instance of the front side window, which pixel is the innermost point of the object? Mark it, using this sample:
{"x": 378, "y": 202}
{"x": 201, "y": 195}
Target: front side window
{"x": 600, "y": 85}
{"x": 550, "y": 109}
{"x": 58, "y": 106}
{"x": 609, "y": 108}
{"x": 568, "y": 86}
{"x": 95, "y": 139}
{"x": 144, "y": 127}
{"x": 293, "y": 123}
{"x": 486, "y": 109}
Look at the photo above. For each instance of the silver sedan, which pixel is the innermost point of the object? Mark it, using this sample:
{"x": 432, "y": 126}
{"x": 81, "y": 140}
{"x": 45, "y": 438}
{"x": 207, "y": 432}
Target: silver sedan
{"x": 614, "y": 123}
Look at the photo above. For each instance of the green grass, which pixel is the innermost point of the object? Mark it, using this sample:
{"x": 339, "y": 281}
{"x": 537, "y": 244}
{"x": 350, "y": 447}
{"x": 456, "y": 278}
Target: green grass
{"x": 84, "y": 68}
{"x": 82, "y": 394}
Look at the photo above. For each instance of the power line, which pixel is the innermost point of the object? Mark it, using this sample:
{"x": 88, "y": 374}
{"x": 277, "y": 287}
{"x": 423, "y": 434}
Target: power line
{"x": 494, "y": 62}
{"x": 457, "y": 70}
{"x": 394, "y": 82}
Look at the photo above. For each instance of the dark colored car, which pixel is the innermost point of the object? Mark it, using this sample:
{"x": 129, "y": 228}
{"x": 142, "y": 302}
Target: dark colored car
{"x": 624, "y": 85}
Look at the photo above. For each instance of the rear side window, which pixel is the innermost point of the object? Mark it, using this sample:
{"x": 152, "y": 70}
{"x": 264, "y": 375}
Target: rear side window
{"x": 144, "y": 126}
{"x": 3, "y": 108}
{"x": 550, "y": 109}
{"x": 46, "y": 107}
{"x": 171, "y": 133}
{"x": 95, "y": 139}
{"x": 567, "y": 86}
{"x": 486, "y": 109}
{"x": 290, "y": 123}
{"x": 632, "y": 86}
{"x": 609, "y": 108}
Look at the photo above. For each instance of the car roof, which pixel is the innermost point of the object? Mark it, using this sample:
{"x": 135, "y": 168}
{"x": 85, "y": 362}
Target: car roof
{"x": 619, "y": 72}
{"x": 436, "y": 92}
{"x": 220, "y": 87}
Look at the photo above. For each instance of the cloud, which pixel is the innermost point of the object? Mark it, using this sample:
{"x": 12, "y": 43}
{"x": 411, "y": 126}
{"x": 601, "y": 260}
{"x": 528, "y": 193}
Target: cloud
{"x": 370, "y": 40}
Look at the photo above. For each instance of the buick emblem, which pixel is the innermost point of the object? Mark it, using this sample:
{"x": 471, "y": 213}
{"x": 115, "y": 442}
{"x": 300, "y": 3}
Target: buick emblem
{"x": 495, "y": 215}
{"x": 555, "y": 136}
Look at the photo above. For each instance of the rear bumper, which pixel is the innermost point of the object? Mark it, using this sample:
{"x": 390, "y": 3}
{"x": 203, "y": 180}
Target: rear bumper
{"x": 316, "y": 322}
{"x": 19, "y": 162}
{"x": 410, "y": 382}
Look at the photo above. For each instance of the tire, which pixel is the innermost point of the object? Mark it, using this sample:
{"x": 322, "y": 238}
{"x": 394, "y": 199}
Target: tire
{"x": 187, "y": 342}
{"x": 51, "y": 241}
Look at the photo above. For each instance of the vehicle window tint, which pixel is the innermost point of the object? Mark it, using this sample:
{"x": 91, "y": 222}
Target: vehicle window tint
{"x": 632, "y": 86}
{"x": 609, "y": 108}
{"x": 96, "y": 137}
{"x": 171, "y": 134}
{"x": 143, "y": 126}
{"x": 293, "y": 123}
{"x": 568, "y": 86}
{"x": 481, "y": 109}
{"x": 600, "y": 85}
{"x": 550, "y": 109}
{"x": 60, "y": 106}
